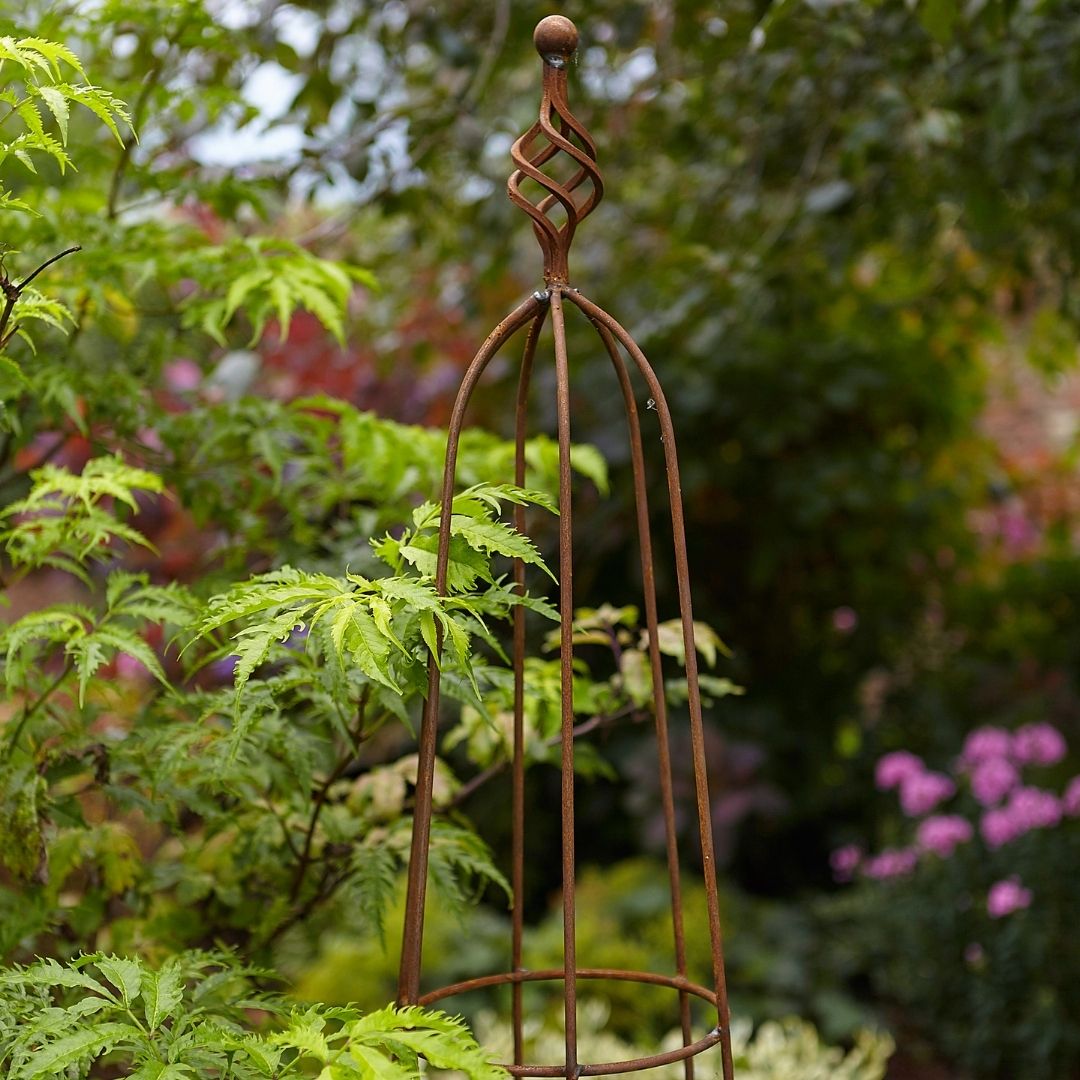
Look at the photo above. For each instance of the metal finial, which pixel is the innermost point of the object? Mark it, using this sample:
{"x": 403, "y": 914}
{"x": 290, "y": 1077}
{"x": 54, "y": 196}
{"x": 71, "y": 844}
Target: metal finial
{"x": 556, "y": 40}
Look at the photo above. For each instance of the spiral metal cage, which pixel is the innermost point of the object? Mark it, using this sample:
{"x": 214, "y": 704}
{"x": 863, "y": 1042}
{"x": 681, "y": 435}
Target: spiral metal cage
{"x": 555, "y": 217}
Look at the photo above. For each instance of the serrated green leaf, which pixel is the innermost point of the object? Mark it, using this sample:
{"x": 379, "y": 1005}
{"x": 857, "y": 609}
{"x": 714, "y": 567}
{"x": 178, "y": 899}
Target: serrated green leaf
{"x": 122, "y": 640}
{"x": 58, "y": 106}
{"x": 493, "y": 537}
{"x": 161, "y": 1070}
{"x": 465, "y": 564}
{"x": 430, "y": 635}
{"x": 54, "y": 1058}
{"x": 125, "y": 975}
{"x": 305, "y": 1033}
{"x": 162, "y": 993}
{"x": 377, "y": 1066}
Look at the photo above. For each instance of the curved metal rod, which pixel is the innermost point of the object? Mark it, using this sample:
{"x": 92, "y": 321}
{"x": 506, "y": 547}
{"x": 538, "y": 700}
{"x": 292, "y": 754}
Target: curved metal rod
{"x": 566, "y": 665}
{"x": 556, "y": 100}
{"x": 663, "y": 751}
{"x": 412, "y": 939}
{"x": 682, "y": 573}
{"x": 517, "y": 797}
{"x": 651, "y": 978}
{"x": 686, "y": 1052}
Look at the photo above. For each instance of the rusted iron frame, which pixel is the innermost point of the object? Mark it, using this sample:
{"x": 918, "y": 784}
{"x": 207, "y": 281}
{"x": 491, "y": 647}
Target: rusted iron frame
{"x": 517, "y": 812}
{"x": 610, "y": 332}
{"x": 697, "y": 733}
{"x": 556, "y": 40}
{"x": 663, "y": 751}
{"x": 685, "y": 987}
{"x": 416, "y": 889}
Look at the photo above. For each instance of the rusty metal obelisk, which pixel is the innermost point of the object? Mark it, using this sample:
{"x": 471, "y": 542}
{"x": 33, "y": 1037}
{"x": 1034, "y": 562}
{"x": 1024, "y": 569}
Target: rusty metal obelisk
{"x": 558, "y": 210}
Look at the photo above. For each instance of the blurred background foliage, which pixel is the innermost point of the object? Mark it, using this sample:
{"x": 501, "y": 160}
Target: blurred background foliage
{"x": 845, "y": 233}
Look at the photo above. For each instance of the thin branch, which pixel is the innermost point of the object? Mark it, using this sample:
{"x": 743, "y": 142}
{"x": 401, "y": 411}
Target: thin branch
{"x": 309, "y": 836}
{"x": 12, "y": 292}
{"x": 32, "y": 711}
{"x": 46, "y": 264}
{"x": 498, "y": 767}
{"x": 148, "y": 87}
{"x": 327, "y": 886}
{"x": 289, "y": 842}
{"x": 356, "y": 737}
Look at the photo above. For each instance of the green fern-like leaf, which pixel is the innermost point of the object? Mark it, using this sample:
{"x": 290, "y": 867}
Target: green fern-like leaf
{"x": 269, "y": 278}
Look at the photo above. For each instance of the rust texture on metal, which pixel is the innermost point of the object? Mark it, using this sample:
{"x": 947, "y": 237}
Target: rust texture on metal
{"x": 555, "y": 217}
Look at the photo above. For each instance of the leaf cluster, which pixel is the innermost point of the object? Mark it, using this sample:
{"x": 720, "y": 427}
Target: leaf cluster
{"x": 191, "y": 1017}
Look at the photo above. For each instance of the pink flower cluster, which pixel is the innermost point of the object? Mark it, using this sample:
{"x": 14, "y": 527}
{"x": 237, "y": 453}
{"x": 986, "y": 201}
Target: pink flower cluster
{"x": 992, "y": 760}
{"x": 1032, "y": 744}
{"x": 1028, "y": 808}
{"x": 993, "y": 779}
{"x": 943, "y": 834}
{"x": 920, "y": 789}
{"x": 1070, "y": 801}
{"x": 1007, "y": 896}
{"x": 890, "y": 863}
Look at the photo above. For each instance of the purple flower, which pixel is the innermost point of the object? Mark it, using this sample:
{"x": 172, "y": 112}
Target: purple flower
{"x": 845, "y": 861}
{"x": 892, "y": 862}
{"x": 844, "y": 620}
{"x": 920, "y": 793}
{"x": 1070, "y": 801}
{"x": 1038, "y": 744}
{"x": 993, "y": 779}
{"x": 1028, "y": 808}
{"x": 1033, "y": 808}
{"x": 893, "y": 769}
{"x": 998, "y": 827}
{"x": 1007, "y": 896}
{"x": 942, "y": 834}
{"x": 984, "y": 743}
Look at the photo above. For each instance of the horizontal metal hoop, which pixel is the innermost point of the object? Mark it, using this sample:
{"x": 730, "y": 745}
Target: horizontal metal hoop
{"x": 652, "y": 1061}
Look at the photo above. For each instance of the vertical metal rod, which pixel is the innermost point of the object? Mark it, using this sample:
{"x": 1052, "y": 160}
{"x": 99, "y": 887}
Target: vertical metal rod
{"x": 412, "y": 938}
{"x": 663, "y": 751}
{"x": 697, "y": 735}
{"x": 566, "y": 658}
{"x": 517, "y": 841}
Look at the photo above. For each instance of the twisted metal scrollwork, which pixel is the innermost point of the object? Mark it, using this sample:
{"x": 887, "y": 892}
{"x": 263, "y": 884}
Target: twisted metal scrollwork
{"x": 556, "y": 41}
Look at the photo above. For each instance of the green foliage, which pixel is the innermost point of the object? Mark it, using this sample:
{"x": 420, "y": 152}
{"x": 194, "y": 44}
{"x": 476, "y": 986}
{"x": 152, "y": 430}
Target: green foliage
{"x": 34, "y": 90}
{"x": 268, "y": 278}
{"x": 166, "y": 808}
{"x": 67, "y": 520}
{"x": 316, "y": 477}
{"x": 192, "y": 1017}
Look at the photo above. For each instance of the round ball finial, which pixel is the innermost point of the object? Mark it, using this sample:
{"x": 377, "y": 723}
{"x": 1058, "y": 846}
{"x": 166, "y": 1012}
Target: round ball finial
{"x": 555, "y": 37}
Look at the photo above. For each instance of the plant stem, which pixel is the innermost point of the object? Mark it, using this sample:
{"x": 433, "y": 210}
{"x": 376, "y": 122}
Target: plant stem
{"x": 12, "y": 292}
{"x": 324, "y": 790}
{"x": 498, "y": 767}
{"x": 46, "y": 264}
{"x": 30, "y": 712}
